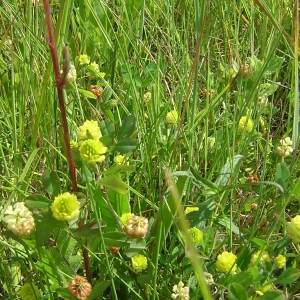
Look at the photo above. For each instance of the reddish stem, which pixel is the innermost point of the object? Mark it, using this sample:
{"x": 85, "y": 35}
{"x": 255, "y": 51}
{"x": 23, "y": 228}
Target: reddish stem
{"x": 60, "y": 87}
{"x": 60, "y": 82}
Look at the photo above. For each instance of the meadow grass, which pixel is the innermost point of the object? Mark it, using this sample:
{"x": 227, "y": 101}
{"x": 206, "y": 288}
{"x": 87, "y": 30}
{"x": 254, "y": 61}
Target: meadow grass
{"x": 230, "y": 71}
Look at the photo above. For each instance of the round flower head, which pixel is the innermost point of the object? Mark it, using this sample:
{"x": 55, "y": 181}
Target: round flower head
{"x": 80, "y": 288}
{"x": 119, "y": 159}
{"x": 65, "y": 207}
{"x": 280, "y": 261}
{"x": 92, "y": 151}
{"x": 19, "y": 219}
{"x": 72, "y": 75}
{"x": 191, "y": 209}
{"x": 293, "y": 229}
{"x": 29, "y": 291}
{"x": 260, "y": 257}
{"x": 226, "y": 262}
{"x": 172, "y": 117}
{"x": 139, "y": 263}
{"x": 180, "y": 292}
{"x": 285, "y": 147}
{"x": 196, "y": 235}
{"x": 83, "y": 59}
{"x": 137, "y": 227}
{"x": 89, "y": 130}
{"x": 246, "y": 123}
{"x": 147, "y": 97}
{"x": 94, "y": 67}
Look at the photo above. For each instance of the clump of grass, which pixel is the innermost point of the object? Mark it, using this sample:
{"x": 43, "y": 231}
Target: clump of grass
{"x": 183, "y": 125}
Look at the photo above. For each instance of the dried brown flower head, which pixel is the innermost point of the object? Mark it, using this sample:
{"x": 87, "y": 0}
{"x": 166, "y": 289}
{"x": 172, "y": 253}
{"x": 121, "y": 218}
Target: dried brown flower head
{"x": 137, "y": 227}
{"x": 79, "y": 287}
{"x": 115, "y": 250}
{"x": 97, "y": 91}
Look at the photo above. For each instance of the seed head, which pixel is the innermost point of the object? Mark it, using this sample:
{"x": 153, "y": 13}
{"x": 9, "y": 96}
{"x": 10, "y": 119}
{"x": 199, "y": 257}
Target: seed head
{"x": 80, "y": 288}
{"x": 137, "y": 227}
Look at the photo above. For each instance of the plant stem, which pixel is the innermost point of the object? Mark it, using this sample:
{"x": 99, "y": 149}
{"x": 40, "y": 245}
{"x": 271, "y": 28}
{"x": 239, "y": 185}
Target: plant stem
{"x": 60, "y": 86}
{"x": 60, "y": 82}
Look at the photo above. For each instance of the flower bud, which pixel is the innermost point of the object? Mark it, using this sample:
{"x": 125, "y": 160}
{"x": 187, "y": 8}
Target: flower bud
{"x": 196, "y": 235}
{"x": 226, "y": 262}
{"x": 72, "y": 74}
{"x": 65, "y": 207}
{"x": 19, "y": 219}
{"x": 293, "y": 229}
{"x": 83, "y": 59}
{"x": 246, "y": 123}
{"x": 172, "y": 117}
{"x": 147, "y": 97}
{"x": 280, "y": 261}
{"x": 119, "y": 159}
{"x": 80, "y": 288}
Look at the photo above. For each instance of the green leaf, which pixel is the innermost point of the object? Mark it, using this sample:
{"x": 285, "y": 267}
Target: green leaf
{"x": 98, "y": 289}
{"x": 288, "y": 276}
{"x": 87, "y": 94}
{"x": 271, "y": 295}
{"x": 114, "y": 183}
{"x": 37, "y": 201}
{"x": 125, "y": 145}
{"x": 135, "y": 246}
{"x": 260, "y": 243}
{"x": 127, "y": 127}
{"x": 282, "y": 175}
{"x": 115, "y": 239}
{"x": 228, "y": 170}
{"x": 225, "y": 221}
{"x": 237, "y": 292}
{"x": 296, "y": 189}
{"x": 51, "y": 183}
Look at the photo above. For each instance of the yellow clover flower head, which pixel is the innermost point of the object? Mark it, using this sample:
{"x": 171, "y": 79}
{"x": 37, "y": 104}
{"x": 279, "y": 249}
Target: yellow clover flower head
{"x": 172, "y": 117}
{"x": 119, "y": 159}
{"x": 191, "y": 209}
{"x": 293, "y": 229}
{"x": 89, "y": 130}
{"x": 260, "y": 257}
{"x": 139, "y": 263}
{"x": 94, "y": 67}
{"x": 226, "y": 262}
{"x": 92, "y": 151}
{"x": 29, "y": 291}
{"x": 83, "y": 59}
{"x": 147, "y": 97}
{"x": 280, "y": 261}
{"x": 65, "y": 207}
{"x": 19, "y": 219}
{"x": 196, "y": 235}
{"x": 246, "y": 123}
